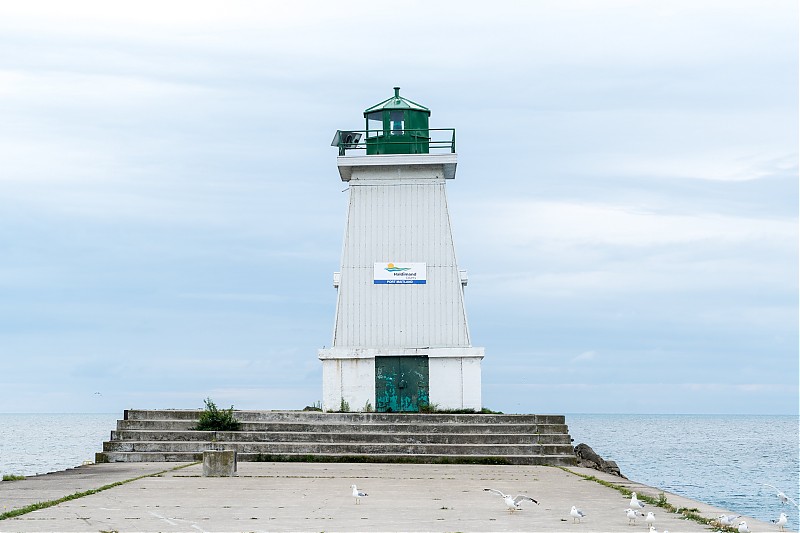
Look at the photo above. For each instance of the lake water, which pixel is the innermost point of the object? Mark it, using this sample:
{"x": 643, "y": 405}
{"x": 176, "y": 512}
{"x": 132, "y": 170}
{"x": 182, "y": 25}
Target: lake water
{"x": 39, "y": 443}
{"x": 720, "y": 460}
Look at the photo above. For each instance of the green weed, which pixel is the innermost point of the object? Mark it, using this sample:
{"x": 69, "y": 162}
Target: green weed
{"x": 344, "y": 406}
{"x": 690, "y": 514}
{"x": 214, "y": 419}
{"x": 44, "y": 505}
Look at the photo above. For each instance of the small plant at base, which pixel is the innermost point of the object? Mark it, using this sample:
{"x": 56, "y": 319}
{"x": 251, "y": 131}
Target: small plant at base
{"x": 12, "y": 477}
{"x": 434, "y": 408}
{"x": 344, "y": 406}
{"x": 428, "y": 407}
{"x": 368, "y": 407}
{"x": 214, "y": 419}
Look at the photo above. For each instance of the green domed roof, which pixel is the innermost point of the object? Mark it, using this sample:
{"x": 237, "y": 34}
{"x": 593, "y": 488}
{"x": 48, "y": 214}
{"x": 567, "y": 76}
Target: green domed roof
{"x": 397, "y": 102}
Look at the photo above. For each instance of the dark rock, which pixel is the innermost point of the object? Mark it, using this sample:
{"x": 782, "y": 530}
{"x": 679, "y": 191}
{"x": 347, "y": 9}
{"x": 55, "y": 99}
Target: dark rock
{"x": 588, "y": 458}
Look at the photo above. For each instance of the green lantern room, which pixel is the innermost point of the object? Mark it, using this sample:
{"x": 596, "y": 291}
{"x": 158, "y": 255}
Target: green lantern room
{"x": 397, "y": 126}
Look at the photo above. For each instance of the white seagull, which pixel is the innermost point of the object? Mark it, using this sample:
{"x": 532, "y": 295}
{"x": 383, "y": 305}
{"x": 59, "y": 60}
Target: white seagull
{"x": 635, "y": 503}
{"x": 743, "y": 527}
{"x": 512, "y": 503}
{"x": 650, "y": 518}
{"x": 781, "y": 521}
{"x": 727, "y": 519}
{"x": 631, "y": 514}
{"x": 357, "y": 494}
{"x": 576, "y": 513}
{"x": 781, "y": 496}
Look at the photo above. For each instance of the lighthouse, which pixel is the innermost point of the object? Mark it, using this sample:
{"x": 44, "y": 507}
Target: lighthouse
{"x": 401, "y": 342}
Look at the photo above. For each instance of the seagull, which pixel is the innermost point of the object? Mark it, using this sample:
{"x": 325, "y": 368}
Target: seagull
{"x": 357, "y": 494}
{"x": 635, "y": 503}
{"x": 743, "y": 527}
{"x": 576, "y": 513}
{"x": 781, "y": 521}
{"x": 781, "y": 496}
{"x": 512, "y": 503}
{"x": 631, "y": 514}
{"x": 727, "y": 519}
{"x": 650, "y": 519}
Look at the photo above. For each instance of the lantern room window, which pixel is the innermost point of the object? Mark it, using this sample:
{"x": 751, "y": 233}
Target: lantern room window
{"x": 375, "y": 124}
{"x": 396, "y": 122}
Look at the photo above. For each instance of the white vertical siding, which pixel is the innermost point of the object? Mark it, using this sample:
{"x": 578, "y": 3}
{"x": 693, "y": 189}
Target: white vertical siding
{"x": 351, "y": 380}
{"x": 399, "y": 214}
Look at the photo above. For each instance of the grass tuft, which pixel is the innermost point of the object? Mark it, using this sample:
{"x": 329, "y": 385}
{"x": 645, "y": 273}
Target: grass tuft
{"x": 344, "y": 406}
{"x": 689, "y": 514}
{"x": 434, "y": 408}
{"x": 51, "y": 503}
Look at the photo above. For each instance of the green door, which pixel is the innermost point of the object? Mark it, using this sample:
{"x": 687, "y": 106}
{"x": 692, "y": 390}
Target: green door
{"x": 401, "y": 383}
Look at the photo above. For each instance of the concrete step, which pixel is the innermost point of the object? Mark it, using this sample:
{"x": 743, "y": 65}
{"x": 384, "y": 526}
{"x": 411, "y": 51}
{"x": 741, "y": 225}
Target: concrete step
{"x": 557, "y": 460}
{"x": 315, "y": 416}
{"x": 164, "y": 435}
{"x": 340, "y": 448}
{"x": 327, "y": 427}
{"x": 361, "y": 436}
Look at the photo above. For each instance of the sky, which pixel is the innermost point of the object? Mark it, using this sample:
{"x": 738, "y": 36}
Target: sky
{"x": 626, "y": 198}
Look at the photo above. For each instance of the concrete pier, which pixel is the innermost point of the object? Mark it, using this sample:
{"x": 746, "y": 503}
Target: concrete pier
{"x": 317, "y": 497}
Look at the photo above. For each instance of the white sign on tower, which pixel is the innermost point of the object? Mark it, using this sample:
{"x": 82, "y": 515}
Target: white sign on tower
{"x": 399, "y": 273}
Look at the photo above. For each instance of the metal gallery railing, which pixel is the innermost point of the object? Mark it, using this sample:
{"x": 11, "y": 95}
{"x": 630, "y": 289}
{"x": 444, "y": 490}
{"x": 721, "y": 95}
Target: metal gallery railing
{"x": 396, "y": 141}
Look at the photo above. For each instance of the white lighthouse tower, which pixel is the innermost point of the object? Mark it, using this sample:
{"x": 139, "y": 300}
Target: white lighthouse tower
{"x": 400, "y": 339}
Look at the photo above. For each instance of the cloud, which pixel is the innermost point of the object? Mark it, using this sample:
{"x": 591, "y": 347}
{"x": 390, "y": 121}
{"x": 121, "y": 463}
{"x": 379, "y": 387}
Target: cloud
{"x": 752, "y": 389}
{"x": 235, "y": 297}
{"x": 725, "y": 166}
{"x": 644, "y": 396}
{"x": 559, "y": 224}
{"x": 585, "y": 250}
{"x": 584, "y": 356}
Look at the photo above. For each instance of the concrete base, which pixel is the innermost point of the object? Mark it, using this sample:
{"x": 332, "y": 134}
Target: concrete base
{"x": 219, "y": 463}
{"x": 349, "y": 375}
